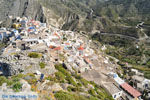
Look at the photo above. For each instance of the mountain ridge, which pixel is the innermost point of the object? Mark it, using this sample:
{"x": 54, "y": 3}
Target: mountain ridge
{"x": 79, "y": 15}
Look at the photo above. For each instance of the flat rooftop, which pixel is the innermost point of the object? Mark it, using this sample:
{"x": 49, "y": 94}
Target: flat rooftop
{"x": 112, "y": 88}
{"x": 138, "y": 78}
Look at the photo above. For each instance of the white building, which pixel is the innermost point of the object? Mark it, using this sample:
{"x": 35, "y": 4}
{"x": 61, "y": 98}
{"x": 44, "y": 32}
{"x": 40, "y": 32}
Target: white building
{"x": 117, "y": 79}
{"x": 142, "y": 83}
{"x": 115, "y": 91}
{"x": 31, "y": 41}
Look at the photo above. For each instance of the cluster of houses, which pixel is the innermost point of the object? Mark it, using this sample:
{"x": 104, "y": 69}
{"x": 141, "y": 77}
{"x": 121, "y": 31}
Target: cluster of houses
{"x": 65, "y": 47}
{"x": 121, "y": 89}
{"x": 31, "y": 35}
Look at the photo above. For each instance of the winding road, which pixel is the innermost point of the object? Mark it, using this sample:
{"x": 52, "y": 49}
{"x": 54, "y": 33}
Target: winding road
{"x": 130, "y": 37}
{"x": 120, "y": 35}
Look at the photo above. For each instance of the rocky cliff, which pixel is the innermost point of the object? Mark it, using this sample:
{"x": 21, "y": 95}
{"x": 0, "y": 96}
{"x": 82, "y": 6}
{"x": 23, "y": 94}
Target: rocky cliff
{"x": 88, "y": 16}
{"x": 83, "y": 15}
{"x": 18, "y": 8}
{"x": 65, "y": 14}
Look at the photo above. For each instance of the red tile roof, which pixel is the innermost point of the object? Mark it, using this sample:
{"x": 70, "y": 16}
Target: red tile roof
{"x": 52, "y": 47}
{"x": 57, "y": 48}
{"x": 130, "y": 90}
{"x": 67, "y": 43}
{"x": 80, "y": 48}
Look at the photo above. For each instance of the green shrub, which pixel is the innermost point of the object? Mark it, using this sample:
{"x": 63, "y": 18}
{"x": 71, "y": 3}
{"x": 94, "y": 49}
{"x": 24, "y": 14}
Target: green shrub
{"x": 19, "y": 75}
{"x": 61, "y": 69}
{"x": 32, "y": 81}
{"x": 109, "y": 98}
{"x": 147, "y": 75}
{"x": 68, "y": 96}
{"x": 9, "y": 82}
{"x": 17, "y": 86}
{"x": 103, "y": 95}
{"x": 51, "y": 83}
{"x": 60, "y": 76}
{"x": 71, "y": 81}
{"x": 63, "y": 96}
{"x": 79, "y": 89}
{"x": 16, "y": 78}
{"x": 147, "y": 52}
{"x": 78, "y": 77}
{"x": 3, "y": 79}
{"x": 30, "y": 75}
{"x": 71, "y": 88}
{"x": 80, "y": 97}
{"x": 100, "y": 95}
{"x": 111, "y": 59}
{"x": 79, "y": 84}
{"x": 29, "y": 67}
{"x": 34, "y": 55}
{"x": 91, "y": 82}
{"x": 143, "y": 69}
{"x": 47, "y": 98}
{"x": 93, "y": 98}
{"x": 51, "y": 78}
{"x": 42, "y": 65}
{"x": 92, "y": 92}
{"x": 84, "y": 82}
{"x": 148, "y": 64}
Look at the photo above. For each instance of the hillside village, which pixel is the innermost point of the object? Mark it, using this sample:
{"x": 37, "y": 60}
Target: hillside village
{"x": 37, "y": 50}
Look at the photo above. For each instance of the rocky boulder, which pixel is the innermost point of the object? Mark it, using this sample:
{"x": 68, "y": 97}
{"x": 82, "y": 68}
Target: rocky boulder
{"x": 7, "y": 70}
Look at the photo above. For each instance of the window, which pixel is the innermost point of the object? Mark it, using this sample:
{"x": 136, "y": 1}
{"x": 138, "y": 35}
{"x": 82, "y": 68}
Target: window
{"x": 114, "y": 96}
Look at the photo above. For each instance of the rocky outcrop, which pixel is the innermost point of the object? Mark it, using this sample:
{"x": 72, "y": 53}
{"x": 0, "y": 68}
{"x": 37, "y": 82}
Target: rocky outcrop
{"x": 21, "y": 63}
{"x": 7, "y": 69}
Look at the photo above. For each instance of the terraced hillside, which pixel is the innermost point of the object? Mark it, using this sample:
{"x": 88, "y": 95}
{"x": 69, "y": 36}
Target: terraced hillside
{"x": 112, "y": 22}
